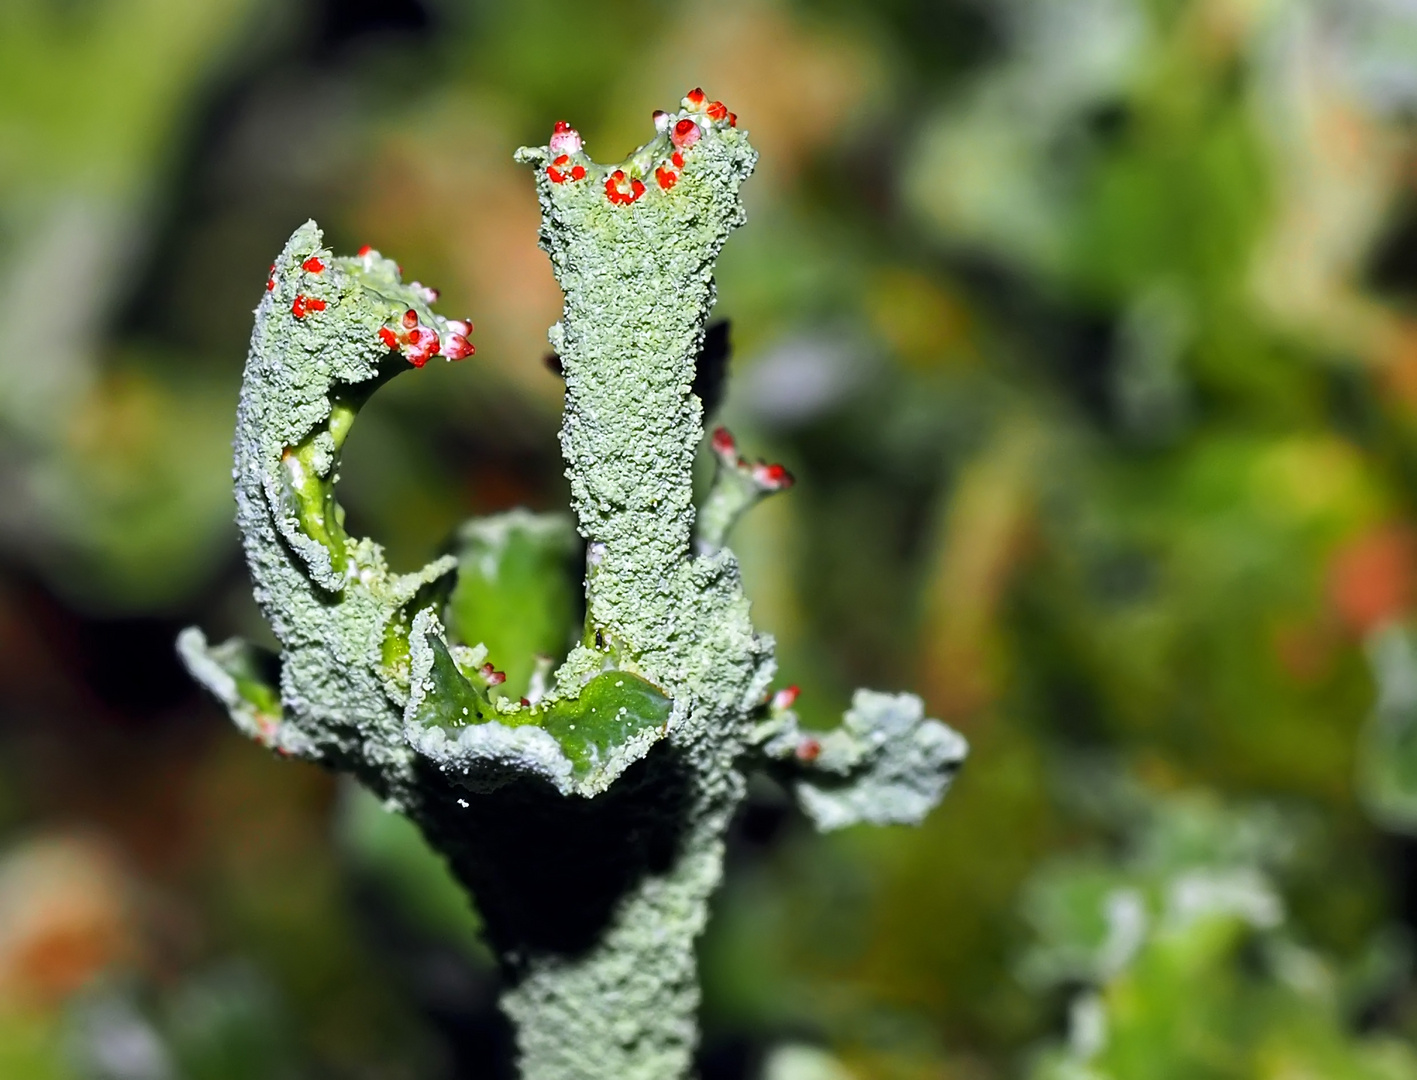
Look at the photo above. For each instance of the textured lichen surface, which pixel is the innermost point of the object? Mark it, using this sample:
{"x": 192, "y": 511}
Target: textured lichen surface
{"x": 579, "y": 775}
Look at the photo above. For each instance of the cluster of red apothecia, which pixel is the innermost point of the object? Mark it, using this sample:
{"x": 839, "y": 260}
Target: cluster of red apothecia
{"x": 621, "y": 188}
{"x": 406, "y": 335}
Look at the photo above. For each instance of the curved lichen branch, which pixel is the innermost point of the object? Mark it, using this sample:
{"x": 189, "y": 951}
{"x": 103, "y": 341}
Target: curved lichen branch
{"x": 358, "y": 686}
{"x": 246, "y": 679}
{"x": 886, "y": 764}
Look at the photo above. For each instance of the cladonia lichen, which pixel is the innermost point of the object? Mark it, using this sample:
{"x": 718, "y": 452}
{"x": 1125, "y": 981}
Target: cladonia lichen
{"x": 578, "y": 774}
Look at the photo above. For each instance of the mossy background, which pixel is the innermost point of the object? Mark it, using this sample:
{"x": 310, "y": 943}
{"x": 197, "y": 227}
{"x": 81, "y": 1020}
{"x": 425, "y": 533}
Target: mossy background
{"x": 1089, "y": 329}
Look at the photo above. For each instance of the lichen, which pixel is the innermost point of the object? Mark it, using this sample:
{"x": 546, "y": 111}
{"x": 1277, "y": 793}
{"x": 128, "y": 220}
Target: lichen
{"x": 585, "y": 809}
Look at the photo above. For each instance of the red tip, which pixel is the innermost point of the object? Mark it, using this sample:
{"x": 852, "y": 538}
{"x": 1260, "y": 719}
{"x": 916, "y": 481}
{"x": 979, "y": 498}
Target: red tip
{"x": 723, "y": 441}
{"x": 717, "y": 111}
{"x": 666, "y": 178}
{"x": 271, "y": 278}
{"x": 615, "y": 189}
{"x": 492, "y": 675}
{"x": 388, "y": 337}
{"x": 410, "y": 318}
{"x": 696, "y": 97}
{"x": 808, "y": 750}
{"x": 578, "y": 172}
{"x": 555, "y": 174}
{"x": 733, "y": 119}
{"x": 312, "y": 265}
{"x": 303, "y": 305}
{"x": 773, "y": 477}
{"x": 363, "y": 251}
{"x": 686, "y": 133}
{"x": 457, "y": 347}
{"x": 561, "y": 126}
{"x": 678, "y": 159}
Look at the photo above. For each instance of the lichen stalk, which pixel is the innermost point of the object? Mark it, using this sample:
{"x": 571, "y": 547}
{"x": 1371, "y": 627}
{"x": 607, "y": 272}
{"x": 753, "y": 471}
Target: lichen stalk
{"x": 638, "y": 285}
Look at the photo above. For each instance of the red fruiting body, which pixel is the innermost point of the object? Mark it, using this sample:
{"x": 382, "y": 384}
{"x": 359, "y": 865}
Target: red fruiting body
{"x": 457, "y": 347}
{"x": 678, "y": 159}
{"x": 661, "y": 120}
{"x": 423, "y": 345}
{"x": 363, "y": 251}
{"x": 312, "y": 265}
{"x": 419, "y": 344}
{"x": 492, "y": 675}
{"x": 772, "y": 477}
{"x": 695, "y": 98}
{"x": 717, "y": 111}
{"x": 785, "y": 698}
{"x": 686, "y": 133}
{"x": 808, "y": 749}
{"x": 559, "y": 172}
{"x": 667, "y": 178}
{"x": 723, "y": 443}
{"x": 303, "y": 305}
{"x": 733, "y": 119}
{"x": 271, "y": 278}
{"x": 564, "y": 139}
{"x": 619, "y": 190}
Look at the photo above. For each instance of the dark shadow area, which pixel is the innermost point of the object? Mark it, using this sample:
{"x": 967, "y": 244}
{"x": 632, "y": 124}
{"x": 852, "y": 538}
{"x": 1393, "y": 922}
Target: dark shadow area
{"x": 589, "y": 852}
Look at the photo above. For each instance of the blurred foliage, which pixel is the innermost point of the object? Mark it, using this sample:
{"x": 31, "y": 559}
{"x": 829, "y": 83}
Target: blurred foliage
{"x": 1089, "y": 328}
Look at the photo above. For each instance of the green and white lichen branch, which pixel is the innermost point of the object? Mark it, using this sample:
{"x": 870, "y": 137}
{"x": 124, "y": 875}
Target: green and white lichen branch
{"x": 570, "y": 725}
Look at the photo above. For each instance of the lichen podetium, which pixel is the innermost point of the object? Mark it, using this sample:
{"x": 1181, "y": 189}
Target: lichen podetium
{"x": 584, "y": 804}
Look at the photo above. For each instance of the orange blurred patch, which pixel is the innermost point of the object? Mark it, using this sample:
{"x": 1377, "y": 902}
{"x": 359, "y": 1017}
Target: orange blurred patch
{"x": 1398, "y": 362}
{"x": 447, "y": 192}
{"x": 66, "y": 915}
{"x": 1370, "y": 578}
{"x": 793, "y": 85}
{"x": 985, "y": 535}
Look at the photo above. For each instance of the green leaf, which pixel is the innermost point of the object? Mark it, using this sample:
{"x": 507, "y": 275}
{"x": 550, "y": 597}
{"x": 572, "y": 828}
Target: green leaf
{"x": 611, "y": 709}
{"x": 517, "y": 592}
{"x": 452, "y": 701}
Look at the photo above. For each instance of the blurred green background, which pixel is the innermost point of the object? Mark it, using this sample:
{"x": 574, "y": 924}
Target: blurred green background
{"x": 1089, "y": 328}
